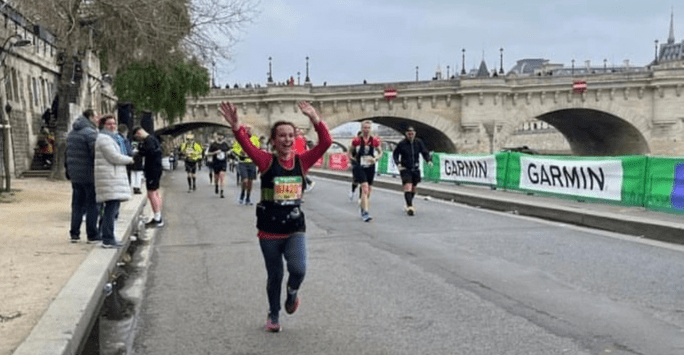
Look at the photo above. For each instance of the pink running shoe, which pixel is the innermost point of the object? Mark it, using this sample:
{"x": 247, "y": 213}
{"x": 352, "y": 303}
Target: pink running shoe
{"x": 271, "y": 326}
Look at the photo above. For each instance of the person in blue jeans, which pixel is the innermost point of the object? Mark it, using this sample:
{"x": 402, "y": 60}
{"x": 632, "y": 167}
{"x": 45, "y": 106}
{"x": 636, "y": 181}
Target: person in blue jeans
{"x": 79, "y": 163}
{"x": 111, "y": 179}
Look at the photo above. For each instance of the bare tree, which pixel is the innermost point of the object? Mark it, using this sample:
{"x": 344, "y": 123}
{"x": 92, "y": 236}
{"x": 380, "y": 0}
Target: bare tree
{"x": 122, "y": 32}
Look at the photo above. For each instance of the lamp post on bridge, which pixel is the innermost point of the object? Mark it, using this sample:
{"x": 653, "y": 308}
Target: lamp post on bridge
{"x": 655, "y": 61}
{"x": 307, "y": 80}
{"x": 573, "y": 68}
{"x": 416, "y": 73}
{"x": 298, "y": 74}
{"x": 605, "y": 68}
{"x": 463, "y": 72}
{"x": 4, "y": 119}
{"x": 447, "y": 72}
{"x": 501, "y": 69}
{"x": 270, "y": 70}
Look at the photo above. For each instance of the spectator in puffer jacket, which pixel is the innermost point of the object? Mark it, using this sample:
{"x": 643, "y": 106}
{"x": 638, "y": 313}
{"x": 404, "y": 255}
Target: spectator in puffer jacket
{"x": 80, "y": 159}
{"x": 111, "y": 180}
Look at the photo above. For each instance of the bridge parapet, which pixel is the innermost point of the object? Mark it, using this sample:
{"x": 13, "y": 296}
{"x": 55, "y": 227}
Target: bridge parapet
{"x": 482, "y": 114}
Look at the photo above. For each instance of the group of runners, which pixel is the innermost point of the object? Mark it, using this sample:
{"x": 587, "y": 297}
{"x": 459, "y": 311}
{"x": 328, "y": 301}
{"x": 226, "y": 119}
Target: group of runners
{"x": 218, "y": 157}
{"x": 366, "y": 150}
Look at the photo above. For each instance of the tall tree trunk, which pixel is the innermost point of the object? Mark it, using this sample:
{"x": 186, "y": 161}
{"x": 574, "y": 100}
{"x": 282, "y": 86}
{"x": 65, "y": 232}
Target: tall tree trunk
{"x": 64, "y": 94}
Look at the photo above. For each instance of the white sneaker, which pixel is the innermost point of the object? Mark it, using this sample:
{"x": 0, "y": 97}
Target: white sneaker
{"x": 351, "y": 196}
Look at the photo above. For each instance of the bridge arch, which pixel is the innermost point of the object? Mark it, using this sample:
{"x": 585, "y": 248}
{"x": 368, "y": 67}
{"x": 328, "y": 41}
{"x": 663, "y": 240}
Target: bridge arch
{"x": 597, "y": 133}
{"x": 434, "y": 138}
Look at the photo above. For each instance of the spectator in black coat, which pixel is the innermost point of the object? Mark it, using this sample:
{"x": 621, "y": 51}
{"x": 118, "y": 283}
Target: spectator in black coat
{"x": 80, "y": 160}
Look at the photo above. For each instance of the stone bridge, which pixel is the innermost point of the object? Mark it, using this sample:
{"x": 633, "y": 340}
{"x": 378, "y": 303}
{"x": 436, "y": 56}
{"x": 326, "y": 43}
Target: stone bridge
{"x": 620, "y": 113}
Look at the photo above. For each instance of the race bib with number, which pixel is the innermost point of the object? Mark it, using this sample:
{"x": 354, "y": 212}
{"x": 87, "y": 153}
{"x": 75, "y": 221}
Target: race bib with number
{"x": 287, "y": 189}
{"x": 221, "y": 155}
{"x": 367, "y": 160}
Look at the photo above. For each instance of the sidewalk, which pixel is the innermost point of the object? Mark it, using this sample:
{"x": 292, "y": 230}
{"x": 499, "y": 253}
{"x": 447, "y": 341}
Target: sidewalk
{"x": 37, "y": 261}
{"x": 50, "y": 289}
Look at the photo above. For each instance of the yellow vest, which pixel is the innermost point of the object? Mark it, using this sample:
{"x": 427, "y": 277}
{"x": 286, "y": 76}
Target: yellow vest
{"x": 192, "y": 153}
{"x": 237, "y": 149}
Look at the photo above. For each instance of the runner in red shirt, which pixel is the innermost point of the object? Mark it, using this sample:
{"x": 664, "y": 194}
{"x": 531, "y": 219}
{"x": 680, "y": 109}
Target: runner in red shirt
{"x": 280, "y": 220}
{"x": 365, "y": 152}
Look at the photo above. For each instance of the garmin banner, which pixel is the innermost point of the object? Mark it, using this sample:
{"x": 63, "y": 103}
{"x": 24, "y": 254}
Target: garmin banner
{"x": 465, "y": 168}
{"x": 601, "y": 179}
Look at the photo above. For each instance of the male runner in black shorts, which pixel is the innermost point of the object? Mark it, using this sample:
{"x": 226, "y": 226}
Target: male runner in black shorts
{"x": 406, "y": 157}
{"x": 150, "y": 150}
{"x": 219, "y": 152}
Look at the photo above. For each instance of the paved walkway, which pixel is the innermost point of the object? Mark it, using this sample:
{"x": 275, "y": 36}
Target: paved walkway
{"x": 36, "y": 258}
{"x": 38, "y": 264}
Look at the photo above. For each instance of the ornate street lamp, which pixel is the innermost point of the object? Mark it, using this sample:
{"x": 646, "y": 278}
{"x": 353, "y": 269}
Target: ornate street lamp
{"x": 501, "y": 69}
{"x": 298, "y": 74}
{"x": 307, "y": 80}
{"x": 605, "y": 68}
{"x": 656, "y": 52}
{"x": 463, "y": 72}
{"x": 416, "y": 73}
{"x": 270, "y": 70}
{"x": 4, "y": 119}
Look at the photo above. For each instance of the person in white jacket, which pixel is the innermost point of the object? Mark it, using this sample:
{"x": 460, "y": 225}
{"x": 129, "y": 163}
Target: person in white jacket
{"x": 111, "y": 180}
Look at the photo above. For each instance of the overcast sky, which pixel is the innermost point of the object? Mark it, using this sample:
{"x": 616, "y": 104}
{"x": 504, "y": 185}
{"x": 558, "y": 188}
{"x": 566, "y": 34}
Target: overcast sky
{"x": 348, "y": 41}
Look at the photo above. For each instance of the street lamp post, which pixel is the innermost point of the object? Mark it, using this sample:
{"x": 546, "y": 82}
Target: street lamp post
{"x": 501, "y": 69}
{"x": 447, "y": 72}
{"x": 463, "y": 72}
{"x": 655, "y": 61}
{"x": 270, "y": 70}
{"x": 307, "y": 80}
{"x": 572, "y": 72}
{"x": 4, "y": 120}
{"x": 416, "y": 73}
{"x": 298, "y": 74}
{"x": 605, "y": 68}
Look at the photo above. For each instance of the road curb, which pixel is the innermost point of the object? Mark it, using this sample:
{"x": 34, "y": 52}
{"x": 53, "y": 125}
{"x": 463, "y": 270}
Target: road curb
{"x": 63, "y": 327}
{"x": 507, "y": 201}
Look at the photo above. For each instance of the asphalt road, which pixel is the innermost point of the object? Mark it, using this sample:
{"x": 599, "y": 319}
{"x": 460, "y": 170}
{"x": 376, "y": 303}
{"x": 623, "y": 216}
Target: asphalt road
{"x": 450, "y": 280}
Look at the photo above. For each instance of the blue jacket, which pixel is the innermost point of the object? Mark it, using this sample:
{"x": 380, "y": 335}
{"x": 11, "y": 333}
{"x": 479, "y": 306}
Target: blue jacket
{"x": 80, "y": 151}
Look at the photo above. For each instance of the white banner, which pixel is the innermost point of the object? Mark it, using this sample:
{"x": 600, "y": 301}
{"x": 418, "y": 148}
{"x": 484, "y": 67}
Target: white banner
{"x": 464, "y": 168}
{"x": 595, "y": 179}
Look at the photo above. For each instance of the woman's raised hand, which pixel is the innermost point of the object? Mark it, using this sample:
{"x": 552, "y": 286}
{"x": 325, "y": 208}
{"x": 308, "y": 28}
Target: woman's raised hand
{"x": 308, "y": 110}
{"x": 229, "y": 113}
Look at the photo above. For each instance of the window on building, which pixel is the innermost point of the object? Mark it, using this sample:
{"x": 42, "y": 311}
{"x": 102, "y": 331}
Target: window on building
{"x": 36, "y": 93}
{"x": 44, "y": 90}
{"x": 14, "y": 85}
{"x": 30, "y": 92}
{"x": 8, "y": 86}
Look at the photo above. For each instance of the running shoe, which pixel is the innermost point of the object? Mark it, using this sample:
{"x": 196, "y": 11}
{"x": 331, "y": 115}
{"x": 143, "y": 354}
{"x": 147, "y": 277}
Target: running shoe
{"x": 241, "y": 201}
{"x": 153, "y": 223}
{"x": 291, "y": 303}
{"x": 74, "y": 239}
{"x": 366, "y": 217}
{"x": 411, "y": 211}
{"x": 216, "y": 189}
{"x": 351, "y": 196}
{"x": 222, "y": 194}
{"x": 272, "y": 325}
